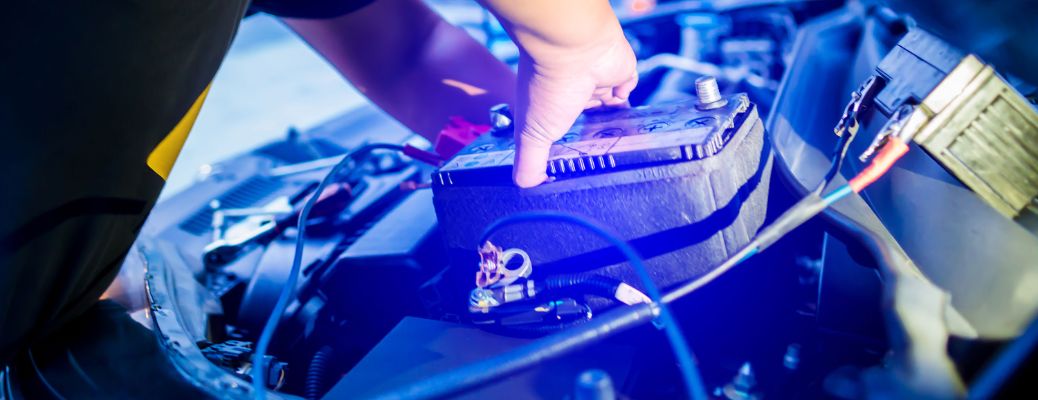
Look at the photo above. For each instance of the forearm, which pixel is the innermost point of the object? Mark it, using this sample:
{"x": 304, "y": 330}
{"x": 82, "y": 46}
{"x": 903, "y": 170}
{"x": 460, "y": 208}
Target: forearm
{"x": 555, "y": 31}
{"x": 412, "y": 63}
{"x": 451, "y": 75}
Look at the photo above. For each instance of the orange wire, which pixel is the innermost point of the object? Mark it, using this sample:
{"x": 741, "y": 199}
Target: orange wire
{"x": 888, "y": 155}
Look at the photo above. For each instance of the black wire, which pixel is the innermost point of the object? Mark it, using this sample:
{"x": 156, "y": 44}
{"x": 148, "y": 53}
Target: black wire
{"x": 806, "y": 208}
{"x": 557, "y": 287}
{"x": 493, "y": 369}
{"x": 43, "y": 379}
{"x": 530, "y": 331}
{"x": 288, "y": 290}
{"x": 592, "y": 284}
{"x": 454, "y": 381}
{"x": 562, "y": 342}
{"x": 6, "y": 376}
{"x": 79, "y": 370}
{"x": 843, "y": 144}
{"x": 682, "y": 352}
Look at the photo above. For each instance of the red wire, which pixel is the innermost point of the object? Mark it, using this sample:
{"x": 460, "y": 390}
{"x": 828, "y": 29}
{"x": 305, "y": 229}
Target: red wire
{"x": 424, "y": 156}
{"x": 888, "y": 155}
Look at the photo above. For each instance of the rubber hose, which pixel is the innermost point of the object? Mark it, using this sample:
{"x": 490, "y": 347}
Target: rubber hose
{"x": 581, "y": 283}
{"x": 531, "y": 331}
{"x": 317, "y": 374}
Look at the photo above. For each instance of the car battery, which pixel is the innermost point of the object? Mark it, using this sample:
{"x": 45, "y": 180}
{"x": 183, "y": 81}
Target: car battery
{"x": 686, "y": 185}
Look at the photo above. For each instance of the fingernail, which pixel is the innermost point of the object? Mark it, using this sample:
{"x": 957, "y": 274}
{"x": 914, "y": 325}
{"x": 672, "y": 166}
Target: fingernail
{"x": 526, "y": 181}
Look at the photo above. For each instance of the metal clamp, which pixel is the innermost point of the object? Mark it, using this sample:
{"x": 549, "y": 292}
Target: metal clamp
{"x": 493, "y": 264}
{"x": 229, "y": 242}
{"x": 859, "y": 101}
{"x": 895, "y": 127}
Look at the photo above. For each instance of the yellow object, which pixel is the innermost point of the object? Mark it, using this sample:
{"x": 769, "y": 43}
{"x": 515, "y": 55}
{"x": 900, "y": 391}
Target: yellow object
{"x": 985, "y": 133}
{"x": 165, "y": 154}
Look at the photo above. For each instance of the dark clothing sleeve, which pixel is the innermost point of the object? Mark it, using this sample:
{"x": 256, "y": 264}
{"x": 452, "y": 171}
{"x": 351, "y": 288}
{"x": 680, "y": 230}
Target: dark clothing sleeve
{"x": 315, "y": 9}
{"x": 89, "y": 90}
{"x": 101, "y": 354}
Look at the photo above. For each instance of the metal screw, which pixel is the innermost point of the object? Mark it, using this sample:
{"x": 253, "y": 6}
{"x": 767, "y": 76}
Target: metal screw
{"x": 709, "y": 94}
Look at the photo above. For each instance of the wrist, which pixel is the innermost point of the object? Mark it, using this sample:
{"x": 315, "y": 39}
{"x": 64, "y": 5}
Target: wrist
{"x": 573, "y": 55}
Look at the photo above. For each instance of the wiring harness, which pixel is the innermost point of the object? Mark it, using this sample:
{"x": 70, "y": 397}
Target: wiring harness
{"x": 259, "y": 369}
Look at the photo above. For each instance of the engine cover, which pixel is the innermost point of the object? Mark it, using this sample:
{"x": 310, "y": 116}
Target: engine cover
{"x": 686, "y": 187}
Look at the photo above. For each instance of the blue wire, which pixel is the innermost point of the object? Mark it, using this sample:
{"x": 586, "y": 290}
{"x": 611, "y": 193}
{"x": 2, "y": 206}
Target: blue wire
{"x": 837, "y": 194}
{"x": 79, "y": 370}
{"x": 999, "y": 371}
{"x": 749, "y": 255}
{"x": 288, "y": 290}
{"x": 682, "y": 352}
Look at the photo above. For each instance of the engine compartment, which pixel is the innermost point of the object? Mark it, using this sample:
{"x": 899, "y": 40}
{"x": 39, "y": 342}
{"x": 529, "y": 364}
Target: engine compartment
{"x": 836, "y": 309}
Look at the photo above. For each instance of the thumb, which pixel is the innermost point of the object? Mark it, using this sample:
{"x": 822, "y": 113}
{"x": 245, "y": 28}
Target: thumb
{"x": 547, "y": 109}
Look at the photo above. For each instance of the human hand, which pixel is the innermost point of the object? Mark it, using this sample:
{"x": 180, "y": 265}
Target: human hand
{"x": 556, "y": 83}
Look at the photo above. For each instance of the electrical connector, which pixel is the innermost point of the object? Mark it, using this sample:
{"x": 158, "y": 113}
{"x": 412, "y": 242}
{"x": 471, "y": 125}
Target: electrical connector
{"x": 892, "y": 150}
{"x": 985, "y": 133}
{"x": 456, "y": 135}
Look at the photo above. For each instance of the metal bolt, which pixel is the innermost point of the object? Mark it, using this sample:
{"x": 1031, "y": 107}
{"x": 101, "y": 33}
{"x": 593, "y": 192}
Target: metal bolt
{"x": 594, "y": 384}
{"x": 709, "y": 94}
{"x": 204, "y": 171}
{"x": 501, "y": 119}
{"x": 792, "y": 357}
{"x": 744, "y": 104}
{"x": 742, "y": 386}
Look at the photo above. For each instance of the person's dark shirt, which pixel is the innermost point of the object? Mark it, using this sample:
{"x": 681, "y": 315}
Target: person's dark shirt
{"x": 96, "y": 98}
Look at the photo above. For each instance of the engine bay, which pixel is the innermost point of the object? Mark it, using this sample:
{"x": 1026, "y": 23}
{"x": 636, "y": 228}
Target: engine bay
{"x": 420, "y": 274}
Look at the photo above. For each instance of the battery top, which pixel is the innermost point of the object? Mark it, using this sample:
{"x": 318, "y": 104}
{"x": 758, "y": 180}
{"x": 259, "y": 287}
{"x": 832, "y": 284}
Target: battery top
{"x": 605, "y": 140}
